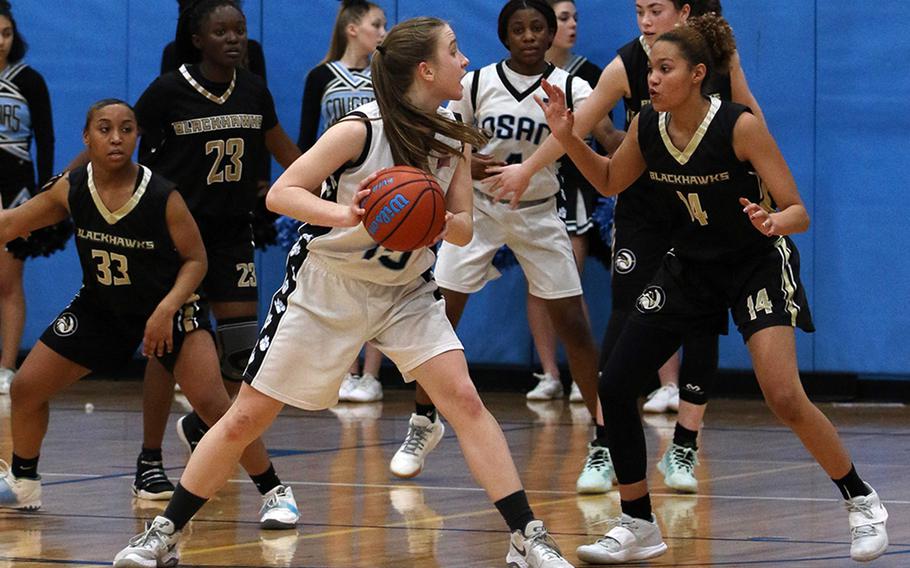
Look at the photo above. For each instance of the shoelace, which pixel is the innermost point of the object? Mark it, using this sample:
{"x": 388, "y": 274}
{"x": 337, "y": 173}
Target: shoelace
{"x": 5, "y": 470}
{"x": 598, "y": 459}
{"x": 865, "y": 509}
{"x": 416, "y": 439}
{"x": 541, "y": 540}
{"x": 153, "y": 475}
{"x": 152, "y": 533}
{"x": 274, "y": 499}
{"x": 683, "y": 458}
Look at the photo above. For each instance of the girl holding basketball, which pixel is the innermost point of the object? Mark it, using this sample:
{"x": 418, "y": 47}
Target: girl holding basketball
{"x": 730, "y": 253}
{"x": 499, "y": 99}
{"x": 342, "y": 290}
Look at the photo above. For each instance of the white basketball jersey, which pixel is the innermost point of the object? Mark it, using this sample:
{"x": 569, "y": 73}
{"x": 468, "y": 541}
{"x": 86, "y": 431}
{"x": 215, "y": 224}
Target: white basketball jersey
{"x": 350, "y": 250}
{"x": 501, "y": 102}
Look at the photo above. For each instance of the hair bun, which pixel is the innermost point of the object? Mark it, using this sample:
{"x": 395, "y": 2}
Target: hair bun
{"x": 344, "y": 3}
{"x": 5, "y": 5}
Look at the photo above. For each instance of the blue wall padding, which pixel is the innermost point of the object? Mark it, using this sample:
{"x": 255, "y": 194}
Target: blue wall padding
{"x": 827, "y": 75}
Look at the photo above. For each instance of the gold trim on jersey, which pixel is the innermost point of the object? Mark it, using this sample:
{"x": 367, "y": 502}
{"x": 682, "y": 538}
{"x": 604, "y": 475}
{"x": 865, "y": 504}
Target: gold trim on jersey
{"x": 683, "y": 157}
{"x": 113, "y": 217}
{"x": 787, "y": 281}
{"x": 644, "y": 45}
{"x": 205, "y": 92}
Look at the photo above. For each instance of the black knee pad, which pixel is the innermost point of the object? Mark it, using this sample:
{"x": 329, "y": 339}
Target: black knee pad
{"x": 699, "y": 368}
{"x": 236, "y": 338}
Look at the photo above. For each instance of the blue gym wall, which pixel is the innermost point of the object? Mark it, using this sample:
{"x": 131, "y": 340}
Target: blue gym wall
{"x": 828, "y": 75}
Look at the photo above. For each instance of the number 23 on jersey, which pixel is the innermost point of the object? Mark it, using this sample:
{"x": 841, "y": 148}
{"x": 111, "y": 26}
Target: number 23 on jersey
{"x": 228, "y": 164}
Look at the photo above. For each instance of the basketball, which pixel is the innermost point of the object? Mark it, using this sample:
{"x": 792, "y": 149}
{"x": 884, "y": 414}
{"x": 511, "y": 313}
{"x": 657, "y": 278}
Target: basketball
{"x": 405, "y": 209}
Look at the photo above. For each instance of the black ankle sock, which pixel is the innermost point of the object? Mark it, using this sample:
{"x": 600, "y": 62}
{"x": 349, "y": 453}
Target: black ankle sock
{"x": 182, "y": 506}
{"x": 516, "y": 511}
{"x": 851, "y": 485}
{"x": 427, "y": 410}
{"x": 600, "y": 436}
{"x": 25, "y": 468}
{"x": 150, "y": 455}
{"x": 266, "y": 481}
{"x": 682, "y": 436}
{"x": 639, "y": 508}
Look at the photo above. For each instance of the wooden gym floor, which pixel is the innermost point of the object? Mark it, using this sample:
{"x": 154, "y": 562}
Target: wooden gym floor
{"x": 762, "y": 501}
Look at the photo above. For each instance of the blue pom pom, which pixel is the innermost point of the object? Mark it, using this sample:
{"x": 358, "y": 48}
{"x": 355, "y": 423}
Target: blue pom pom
{"x": 504, "y": 258}
{"x": 288, "y": 228}
{"x": 603, "y": 217}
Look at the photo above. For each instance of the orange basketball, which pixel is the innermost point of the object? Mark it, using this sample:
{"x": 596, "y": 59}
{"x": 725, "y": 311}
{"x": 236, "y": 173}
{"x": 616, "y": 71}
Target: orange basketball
{"x": 405, "y": 209}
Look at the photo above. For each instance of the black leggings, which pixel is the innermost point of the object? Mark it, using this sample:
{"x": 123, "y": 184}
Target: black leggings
{"x": 699, "y": 360}
{"x": 698, "y": 369}
{"x": 638, "y": 353}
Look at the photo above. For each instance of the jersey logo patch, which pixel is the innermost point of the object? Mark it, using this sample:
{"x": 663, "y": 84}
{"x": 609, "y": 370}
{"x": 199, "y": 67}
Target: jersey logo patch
{"x": 624, "y": 261}
{"x": 66, "y": 324}
{"x": 651, "y": 300}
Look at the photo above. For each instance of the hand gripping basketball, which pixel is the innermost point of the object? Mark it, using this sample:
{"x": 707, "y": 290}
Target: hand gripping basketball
{"x": 405, "y": 210}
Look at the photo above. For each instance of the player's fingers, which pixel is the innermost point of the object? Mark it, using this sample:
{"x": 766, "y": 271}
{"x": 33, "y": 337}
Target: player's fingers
{"x": 357, "y": 202}
{"x": 368, "y": 181}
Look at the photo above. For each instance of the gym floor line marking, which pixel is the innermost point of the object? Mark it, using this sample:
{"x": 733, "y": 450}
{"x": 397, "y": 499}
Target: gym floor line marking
{"x": 519, "y": 424}
{"x": 762, "y": 472}
{"x": 474, "y": 489}
{"x": 354, "y": 530}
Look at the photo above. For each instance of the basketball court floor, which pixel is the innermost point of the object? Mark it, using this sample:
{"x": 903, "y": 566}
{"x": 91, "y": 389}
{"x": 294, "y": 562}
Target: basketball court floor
{"x": 762, "y": 501}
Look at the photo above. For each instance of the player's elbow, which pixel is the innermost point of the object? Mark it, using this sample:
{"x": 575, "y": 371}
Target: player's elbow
{"x": 460, "y": 237}
{"x": 801, "y": 220}
{"x": 806, "y": 222}
{"x": 275, "y": 199}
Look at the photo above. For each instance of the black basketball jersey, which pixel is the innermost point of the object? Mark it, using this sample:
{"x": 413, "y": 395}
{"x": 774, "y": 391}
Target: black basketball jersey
{"x": 636, "y": 204}
{"x": 582, "y": 68}
{"x": 129, "y": 262}
{"x": 207, "y": 138}
{"x": 705, "y": 182}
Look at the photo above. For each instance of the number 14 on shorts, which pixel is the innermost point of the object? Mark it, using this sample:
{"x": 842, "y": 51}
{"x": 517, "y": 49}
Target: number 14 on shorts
{"x": 760, "y": 302}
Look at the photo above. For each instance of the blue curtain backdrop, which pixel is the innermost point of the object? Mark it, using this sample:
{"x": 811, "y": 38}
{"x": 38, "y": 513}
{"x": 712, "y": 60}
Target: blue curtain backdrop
{"x": 827, "y": 75}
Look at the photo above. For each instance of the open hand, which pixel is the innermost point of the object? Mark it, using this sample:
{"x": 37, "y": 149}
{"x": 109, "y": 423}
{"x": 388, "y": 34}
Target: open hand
{"x": 760, "y": 218}
{"x": 559, "y": 118}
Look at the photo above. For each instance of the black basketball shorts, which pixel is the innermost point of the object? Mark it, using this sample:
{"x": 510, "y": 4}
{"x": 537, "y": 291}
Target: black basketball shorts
{"x": 103, "y": 340}
{"x": 762, "y": 290}
{"x": 638, "y": 252}
{"x": 231, "y": 275}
